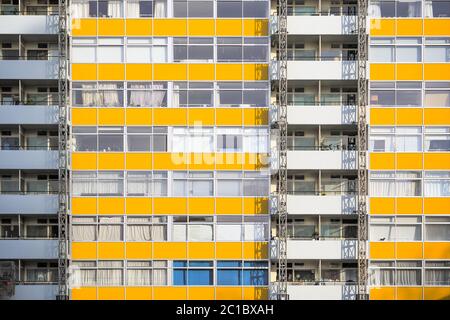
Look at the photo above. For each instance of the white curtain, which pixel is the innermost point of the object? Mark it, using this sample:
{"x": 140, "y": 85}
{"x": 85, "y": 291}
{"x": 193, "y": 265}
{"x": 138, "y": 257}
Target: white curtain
{"x": 109, "y": 183}
{"x": 437, "y": 232}
{"x": 159, "y": 93}
{"x": 109, "y": 277}
{"x": 437, "y": 188}
{"x": 139, "y": 277}
{"x": 139, "y": 184}
{"x": 139, "y": 233}
{"x": 428, "y": 9}
{"x": 159, "y": 277}
{"x": 109, "y": 231}
{"x": 132, "y": 9}
{"x": 179, "y": 232}
{"x": 83, "y": 232}
{"x": 84, "y": 187}
{"x": 109, "y": 98}
{"x": 437, "y": 277}
{"x": 160, "y": 9}
{"x": 140, "y": 98}
{"x": 85, "y": 276}
{"x": 115, "y": 9}
{"x": 374, "y": 9}
{"x": 228, "y": 232}
{"x": 408, "y": 277}
{"x": 381, "y": 277}
{"x": 408, "y": 232}
{"x": 159, "y": 232}
{"x": 408, "y": 188}
{"x": 380, "y": 188}
{"x": 88, "y": 95}
{"x": 200, "y": 232}
{"x": 80, "y": 9}
{"x": 382, "y": 232}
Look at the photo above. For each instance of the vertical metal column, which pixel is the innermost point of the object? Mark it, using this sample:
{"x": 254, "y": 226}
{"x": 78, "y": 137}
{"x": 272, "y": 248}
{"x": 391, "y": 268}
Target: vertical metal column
{"x": 282, "y": 156}
{"x": 362, "y": 293}
{"x": 62, "y": 152}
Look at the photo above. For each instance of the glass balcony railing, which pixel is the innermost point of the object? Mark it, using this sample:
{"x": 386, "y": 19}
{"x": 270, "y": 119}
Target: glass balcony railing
{"x": 328, "y": 187}
{"x": 14, "y": 10}
{"x": 325, "y": 277}
{"x": 327, "y": 231}
{"x": 28, "y": 186}
{"x": 39, "y": 275}
{"x": 327, "y": 99}
{"x": 325, "y": 55}
{"x": 348, "y": 10}
{"x": 328, "y": 143}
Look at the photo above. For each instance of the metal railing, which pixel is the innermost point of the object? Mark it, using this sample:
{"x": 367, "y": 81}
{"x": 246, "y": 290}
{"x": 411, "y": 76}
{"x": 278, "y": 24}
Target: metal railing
{"x": 18, "y": 147}
{"x": 313, "y": 11}
{"x": 25, "y": 187}
{"x": 14, "y": 10}
{"x": 309, "y": 99}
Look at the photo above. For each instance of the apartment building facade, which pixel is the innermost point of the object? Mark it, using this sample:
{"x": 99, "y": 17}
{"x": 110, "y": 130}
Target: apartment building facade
{"x": 173, "y": 110}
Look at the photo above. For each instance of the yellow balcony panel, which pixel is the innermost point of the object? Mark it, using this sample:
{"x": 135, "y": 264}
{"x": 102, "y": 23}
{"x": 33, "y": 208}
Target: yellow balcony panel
{"x": 434, "y": 161}
{"x": 255, "y": 250}
{"x": 409, "y": 250}
{"x": 84, "y": 161}
{"x": 84, "y": 116}
{"x": 253, "y": 72}
{"x": 256, "y": 27}
{"x": 111, "y": 293}
{"x": 201, "y": 116}
{"x": 138, "y": 293}
{"x": 170, "y": 205}
{"x": 139, "y": 71}
{"x": 436, "y": 205}
{"x": 201, "y": 27}
{"x": 84, "y": 27}
{"x": 409, "y": 27}
{"x": 382, "y": 27}
{"x": 382, "y": 116}
{"x": 169, "y": 293}
{"x": 139, "y": 27}
{"x": 409, "y": 71}
{"x": 229, "y": 71}
{"x": 437, "y": 71}
{"x": 111, "y": 250}
{"x": 382, "y": 250}
{"x": 229, "y": 250}
{"x": 437, "y": 250}
{"x": 169, "y": 27}
{"x": 409, "y": 161}
{"x": 138, "y": 250}
{"x": 201, "y": 161}
{"x": 201, "y": 72}
{"x": 138, "y": 205}
{"x": 201, "y": 250}
{"x": 382, "y": 205}
{"x": 258, "y": 205}
{"x": 436, "y": 116}
{"x": 256, "y": 293}
{"x": 437, "y": 27}
{"x": 201, "y": 293}
{"x": 84, "y": 71}
{"x": 170, "y": 116}
{"x": 382, "y": 161}
{"x": 228, "y": 27}
{"x": 229, "y": 205}
{"x": 83, "y": 250}
{"x": 111, "y": 206}
{"x": 382, "y": 71}
{"x": 409, "y": 205}
{"x": 111, "y": 161}
{"x": 409, "y": 293}
{"x": 170, "y": 161}
{"x": 256, "y": 116}
{"x": 228, "y": 117}
{"x": 228, "y": 293}
{"x": 111, "y": 116}
{"x": 111, "y": 71}
{"x": 84, "y": 206}
{"x": 201, "y": 206}
{"x": 409, "y": 116}
{"x": 111, "y": 27}
{"x": 229, "y": 161}
{"x": 382, "y": 293}
{"x": 437, "y": 293}
{"x": 83, "y": 293}
{"x": 169, "y": 250}
{"x": 138, "y": 161}
{"x": 138, "y": 116}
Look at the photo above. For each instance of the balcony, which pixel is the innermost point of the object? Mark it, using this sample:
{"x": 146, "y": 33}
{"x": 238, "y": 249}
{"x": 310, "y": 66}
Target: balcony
{"x": 322, "y": 292}
{"x": 28, "y": 249}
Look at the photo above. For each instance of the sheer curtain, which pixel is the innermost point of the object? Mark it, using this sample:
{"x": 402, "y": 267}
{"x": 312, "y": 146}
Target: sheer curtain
{"x": 382, "y": 187}
{"x": 374, "y": 9}
{"x": 437, "y": 277}
{"x": 159, "y": 232}
{"x": 110, "y": 96}
{"x": 159, "y": 273}
{"x": 88, "y": 95}
{"x": 139, "y": 232}
{"x": 115, "y": 9}
{"x": 139, "y": 277}
{"x": 132, "y": 9}
{"x": 437, "y": 188}
{"x": 159, "y": 93}
{"x": 381, "y": 277}
{"x": 160, "y": 9}
{"x": 110, "y": 183}
{"x": 80, "y": 9}
{"x": 199, "y": 232}
{"x": 140, "y": 98}
{"x": 408, "y": 277}
{"x": 428, "y": 9}
{"x": 83, "y": 232}
{"x": 110, "y": 229}
{"x": 85, "y": 277}
{"x": 108, "y": 277}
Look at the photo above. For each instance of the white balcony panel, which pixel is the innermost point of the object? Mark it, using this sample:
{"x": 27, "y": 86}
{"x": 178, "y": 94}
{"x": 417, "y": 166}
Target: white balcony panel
{"x": 322, "y": 292}
{"x": 321, "y": 115}
{"x": 322, "y": 70}
{"x": 29, "y": 249}
{"x": 28, "y": 114}
{"x": 329, "y": 204}
{"x": 29, "y": 24}
{"x": 28, "y": 159}
{"x": 29, "y": 69}
{"x": 322, "y": 249}
{"x": 322, "y": 25}
{"x": 35, "y": 292}
{"x": 323, "y": 159}
{"x": 29, "y": 204}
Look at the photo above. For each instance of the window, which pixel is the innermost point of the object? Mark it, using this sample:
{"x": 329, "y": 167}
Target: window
{"x": 9, "y": 228}
{"x": 146, "y": 8}
{"x": 400, "y": 273}
{"x": 400, "y": 228}
{"x": 146, "y": 228}
{"x": 408, "y": 139}
{"x": 388, "y": 183}
{"x": 437, "y": 273}
{"x": 437, "y": 8}
{"x": 146, "y": 273}
{"x": 193, "y": 9}
{"x": 437, "y": 184}
{"x": 193, "y": 184}
{"x": 147, "y": 94}
{"x": 193, "y": 48}
{"x": 192, "y": 228}
{"x": 399, "y": 8}
{"x": 437, "y": 139}
{"x": 382, "y": 139}
{"x": 437, "y": 49}
{"x": 437, "y": 228}
{"x": 193, "y": 273}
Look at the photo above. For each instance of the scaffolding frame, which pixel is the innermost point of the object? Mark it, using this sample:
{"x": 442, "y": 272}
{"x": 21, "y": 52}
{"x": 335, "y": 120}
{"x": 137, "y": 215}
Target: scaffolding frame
{"x": 63, "y": 171}
{"x": 362, "y": 290}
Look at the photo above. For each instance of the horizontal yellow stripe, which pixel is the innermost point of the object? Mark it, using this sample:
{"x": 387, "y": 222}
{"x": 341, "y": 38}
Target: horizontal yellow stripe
{"x": 169, "y": 116}
{"x": 409, "y": 27}
{"x": 169, "y": 293}
{"x": 409, "y": 161}
{"x": 409, "y": 250}
{"x": 170, "y": 72}
{"x": 168, "y": 161}
{"x": 409, "y": 116}
{"x": 410, "y": 293}
{"x": 168, "y": 205}
{"x": 410, "y": 71}
{"x": 168, "y": 250}
{"x": 410, "y": 205}
{"x": 169, "y": 27}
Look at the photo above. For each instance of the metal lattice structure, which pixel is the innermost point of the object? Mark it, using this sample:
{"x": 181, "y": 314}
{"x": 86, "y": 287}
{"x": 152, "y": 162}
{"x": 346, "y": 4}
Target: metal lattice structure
{"x": 362, "y": 293}
{"x": 63, "y": 152}
{"x": 281, "y": 125}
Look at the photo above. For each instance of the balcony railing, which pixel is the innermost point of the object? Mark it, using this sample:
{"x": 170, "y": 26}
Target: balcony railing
{"x": 350, "y": 10}
{"x": 327, "y": 188}
{"x": 326, "y": 232}
{"x": 28, "y": 186}
{"x": 328, "y": 143}
{"x": 310, "y": 99}
{"x": 328, "y": 277}
{"x": 326, "y": 55}
{"x": 39, "y": 275}
{"x": 14, "y": 57}
{"x": 14, "y": 10}
{"x": 37, "y": 147}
